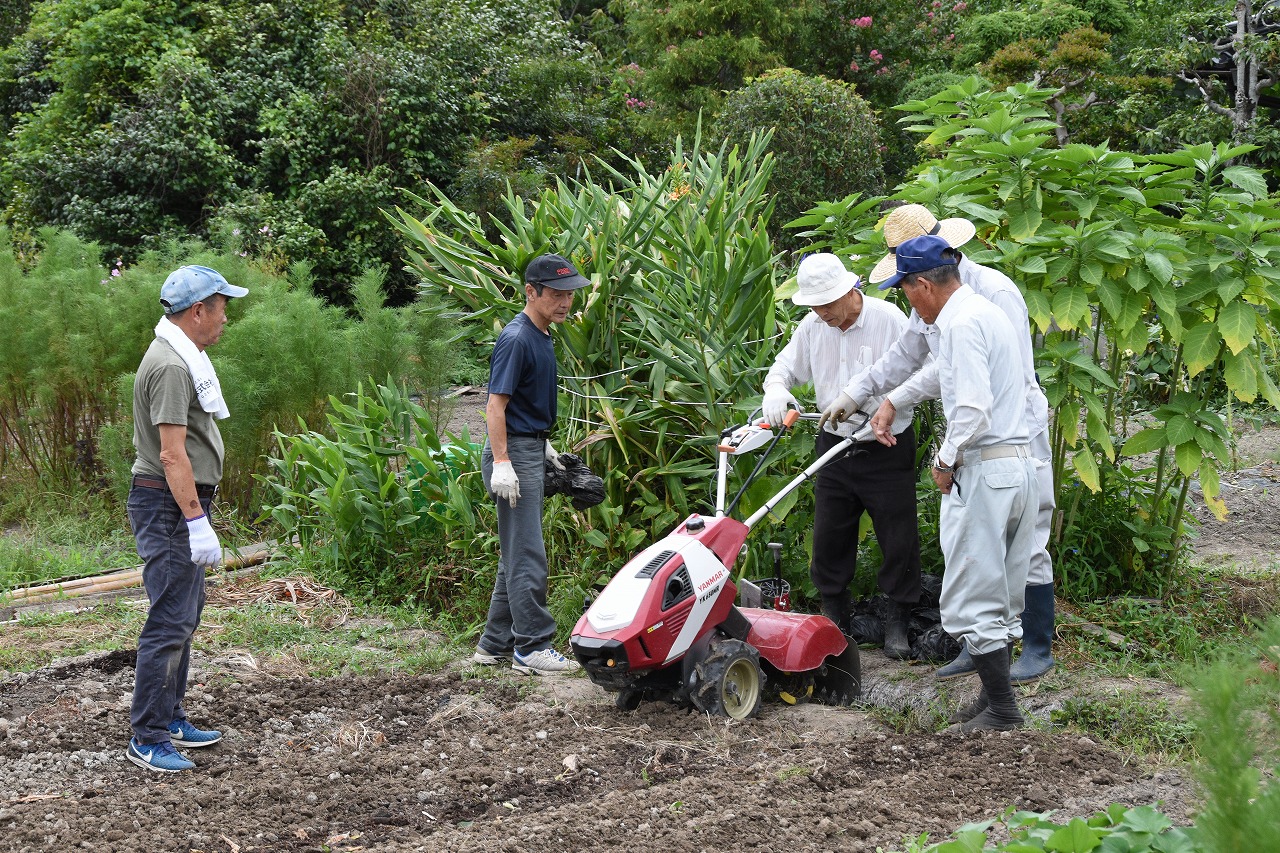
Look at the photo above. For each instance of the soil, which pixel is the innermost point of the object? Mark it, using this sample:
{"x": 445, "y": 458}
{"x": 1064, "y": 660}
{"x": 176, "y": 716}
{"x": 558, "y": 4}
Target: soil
{"x": 477, "y": 759}
{"x": 472, "y": 759}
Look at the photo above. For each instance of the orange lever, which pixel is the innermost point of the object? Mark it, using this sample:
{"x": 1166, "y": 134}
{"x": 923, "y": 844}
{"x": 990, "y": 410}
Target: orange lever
{"x": 790, "y": 419}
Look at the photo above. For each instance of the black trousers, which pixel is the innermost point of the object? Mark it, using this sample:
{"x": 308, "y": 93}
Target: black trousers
{"x": 880, "y": 481}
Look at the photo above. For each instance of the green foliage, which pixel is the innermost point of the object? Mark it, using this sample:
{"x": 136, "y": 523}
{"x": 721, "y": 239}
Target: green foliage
{"x": 1239, "y": 746}
{"x": 66, "y": 385}
{"x": 1134, "y": 723}
{"x": 1137, "y": 830}
{"x": 44, "y": 542}
{"x": 1113, "y": 251}
{"x": 381, "y": 502}
{"x": 666, "y": 348}
{"x": 825, "y": 141}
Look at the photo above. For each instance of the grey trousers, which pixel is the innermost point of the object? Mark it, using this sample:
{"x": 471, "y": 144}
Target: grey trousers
{"x": 1041, "y": 571}
{"x": 987, "y": 532}
{"x": 518, "y": 615}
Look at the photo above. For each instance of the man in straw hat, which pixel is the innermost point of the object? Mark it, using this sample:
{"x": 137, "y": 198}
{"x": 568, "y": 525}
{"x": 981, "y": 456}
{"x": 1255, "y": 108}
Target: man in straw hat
{"x": 984, "y": 470}
{"x": 841, "y": 336}
{"x": 897, "y": 374}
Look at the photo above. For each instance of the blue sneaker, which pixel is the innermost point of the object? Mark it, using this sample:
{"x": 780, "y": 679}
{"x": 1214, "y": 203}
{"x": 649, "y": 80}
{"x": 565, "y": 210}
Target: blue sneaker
{"x": 182, "y": 733}
{"x": 160, "y": 757}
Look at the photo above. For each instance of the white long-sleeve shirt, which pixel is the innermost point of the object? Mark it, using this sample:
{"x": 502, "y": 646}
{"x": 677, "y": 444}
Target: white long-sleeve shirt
{"x": 829, "y": 358}
{"x": 908, "y": 374}
{"x": 983, "y": 390}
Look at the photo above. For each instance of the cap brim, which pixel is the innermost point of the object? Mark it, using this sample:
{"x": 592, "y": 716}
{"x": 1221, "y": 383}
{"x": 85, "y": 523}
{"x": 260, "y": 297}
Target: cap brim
{"x": 233, "y": 291}
{"x": 893, "y": 280}
{"x": 826, "y": 297}
{"x": 569, "y": 282}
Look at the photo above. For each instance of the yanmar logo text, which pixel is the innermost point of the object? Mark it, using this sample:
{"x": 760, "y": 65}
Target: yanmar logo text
{"x": 710, "y": 581}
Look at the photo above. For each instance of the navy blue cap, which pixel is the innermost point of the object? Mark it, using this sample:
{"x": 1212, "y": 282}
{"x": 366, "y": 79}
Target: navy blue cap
{"x": 920, "y": 254}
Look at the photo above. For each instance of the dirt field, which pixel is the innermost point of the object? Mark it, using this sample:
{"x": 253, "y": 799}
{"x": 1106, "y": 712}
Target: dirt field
{"x": 475, "y": 760}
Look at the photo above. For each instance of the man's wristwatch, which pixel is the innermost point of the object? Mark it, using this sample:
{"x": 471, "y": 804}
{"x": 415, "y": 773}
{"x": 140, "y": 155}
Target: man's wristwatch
{"x": 946, "y": 469}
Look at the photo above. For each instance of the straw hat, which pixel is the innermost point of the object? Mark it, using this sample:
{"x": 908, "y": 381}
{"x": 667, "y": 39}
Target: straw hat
{"x": 821, "y": 280}
{"x": 915, "y": 220}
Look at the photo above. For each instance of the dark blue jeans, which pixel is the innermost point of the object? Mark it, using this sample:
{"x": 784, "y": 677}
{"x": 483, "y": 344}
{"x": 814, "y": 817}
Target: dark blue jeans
{"x": 175, "y": 588}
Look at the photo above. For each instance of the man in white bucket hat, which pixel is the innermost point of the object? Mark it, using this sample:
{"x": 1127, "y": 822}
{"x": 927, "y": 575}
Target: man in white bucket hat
{"x": 843, "y": 334}
{"x": 909, "y": 376}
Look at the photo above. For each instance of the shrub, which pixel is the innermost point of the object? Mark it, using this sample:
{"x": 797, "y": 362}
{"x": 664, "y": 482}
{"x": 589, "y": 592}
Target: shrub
{"x": 825, "y": 140}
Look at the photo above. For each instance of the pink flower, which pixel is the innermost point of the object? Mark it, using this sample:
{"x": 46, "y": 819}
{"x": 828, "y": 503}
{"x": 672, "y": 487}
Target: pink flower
{"x": 951, "y": 36}
{"x": 880, "y": 71}
{"x": 937, "y": 4}
{"x": 115, "y": 273}
{"x": 960, "y": 7}
{"x": 863, "y": 22}
{"x": 929, "y": 15}
{"x": 853, "y": 66}
{"x": 876, "y": 56}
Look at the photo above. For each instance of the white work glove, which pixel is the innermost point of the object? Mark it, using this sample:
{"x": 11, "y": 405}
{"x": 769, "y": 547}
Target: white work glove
{"x": 504, "y": 483}
{"x": 205, "y": 550}
{"x": 838, "y": 412}
{"x": 775, "y": 403}
{"x": 553, "y": 458}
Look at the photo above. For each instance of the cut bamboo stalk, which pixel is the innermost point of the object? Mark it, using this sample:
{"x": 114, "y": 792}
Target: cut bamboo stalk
{"x": 251, "y": 556}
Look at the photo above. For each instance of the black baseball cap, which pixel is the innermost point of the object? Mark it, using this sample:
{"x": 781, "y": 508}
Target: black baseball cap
{"x": 554, "y": 272}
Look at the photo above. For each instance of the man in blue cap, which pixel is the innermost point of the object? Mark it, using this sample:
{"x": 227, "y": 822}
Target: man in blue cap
{"x": 984, "y": 469}
{"x": 519, "y": 415}
{"x": 176, "y": 403}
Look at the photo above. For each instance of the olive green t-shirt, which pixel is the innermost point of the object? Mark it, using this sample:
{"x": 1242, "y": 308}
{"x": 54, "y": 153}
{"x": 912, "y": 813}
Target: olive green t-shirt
{"x": 163, "y": 393}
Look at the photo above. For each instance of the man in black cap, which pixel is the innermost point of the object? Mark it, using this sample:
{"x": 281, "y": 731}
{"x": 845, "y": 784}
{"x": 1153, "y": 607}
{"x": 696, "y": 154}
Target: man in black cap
{"x": 984, "y": 470}
{"x": 520, "y": 413}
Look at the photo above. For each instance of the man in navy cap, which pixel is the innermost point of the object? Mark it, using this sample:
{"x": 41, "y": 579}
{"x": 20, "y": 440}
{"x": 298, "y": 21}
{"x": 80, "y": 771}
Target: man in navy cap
{"x": 176, "y": 403}
{"x": 984, "y": 469}
{"x": 519, "y": 415}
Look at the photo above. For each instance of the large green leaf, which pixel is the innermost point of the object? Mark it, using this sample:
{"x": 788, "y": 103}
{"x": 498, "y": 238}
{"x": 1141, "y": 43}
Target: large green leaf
{"x": 1087, "y": 469}
{"x": 1188, "y": 456}
{"x": 1238, "y": 321}
{"x": 1144, "y": 441}
{"x": 1200, "y": 347}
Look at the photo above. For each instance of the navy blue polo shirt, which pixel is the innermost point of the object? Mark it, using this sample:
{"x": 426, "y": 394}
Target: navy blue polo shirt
{"x": 523, "y": 367}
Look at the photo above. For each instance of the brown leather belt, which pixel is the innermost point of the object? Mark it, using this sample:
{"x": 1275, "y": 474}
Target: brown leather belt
{"x": 201, "y": 491}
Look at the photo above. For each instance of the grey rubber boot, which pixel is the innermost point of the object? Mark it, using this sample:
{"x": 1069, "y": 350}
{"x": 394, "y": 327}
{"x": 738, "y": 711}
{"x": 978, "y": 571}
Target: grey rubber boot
{"x": 898, "y": 616}
{"x": 1036, "y": 659}
{"x": 837, "y": 608}
{"x": 1001, "y": 713}
{"x": 962, "y": 665}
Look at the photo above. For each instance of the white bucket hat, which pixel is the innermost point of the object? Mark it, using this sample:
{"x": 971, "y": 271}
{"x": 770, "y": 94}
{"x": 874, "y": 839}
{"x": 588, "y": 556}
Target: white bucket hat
{"x": 915, "y": 220}
{"x": 822, "y": 279}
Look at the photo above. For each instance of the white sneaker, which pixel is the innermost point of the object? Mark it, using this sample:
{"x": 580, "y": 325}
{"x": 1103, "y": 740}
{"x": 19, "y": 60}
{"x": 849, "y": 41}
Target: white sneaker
{"x": 485, "y": 659}
{"x": 544, "y": 662}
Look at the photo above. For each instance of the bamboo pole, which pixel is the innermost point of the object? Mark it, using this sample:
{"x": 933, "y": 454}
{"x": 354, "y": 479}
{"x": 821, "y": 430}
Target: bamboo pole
{"x": 123, "y": 579}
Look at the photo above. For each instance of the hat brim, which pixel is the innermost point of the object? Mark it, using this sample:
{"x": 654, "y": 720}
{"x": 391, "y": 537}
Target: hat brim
{"x": 893, "y": 280}
{"x": 569, "y": 282}
{"x": 825, "y": 297}
{"x": 955, "y": 231}
{"x": 233, "y": 291}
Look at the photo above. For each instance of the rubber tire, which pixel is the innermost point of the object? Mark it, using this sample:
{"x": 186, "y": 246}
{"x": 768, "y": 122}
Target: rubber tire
{"x": 730, "y": 682}
{"x": 629, "y": 700}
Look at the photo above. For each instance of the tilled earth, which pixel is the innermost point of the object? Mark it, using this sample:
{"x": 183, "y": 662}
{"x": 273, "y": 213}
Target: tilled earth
{"x": 469, "y": 759}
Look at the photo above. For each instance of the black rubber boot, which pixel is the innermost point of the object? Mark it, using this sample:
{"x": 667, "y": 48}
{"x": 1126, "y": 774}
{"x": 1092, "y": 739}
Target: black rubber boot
{"x": 1036, "y": 659}
{"x": 978, "y": 705}
{"x": 897, "y": 617}
{"x": 1001, "y": 713}
{"x": 837, "y": 608}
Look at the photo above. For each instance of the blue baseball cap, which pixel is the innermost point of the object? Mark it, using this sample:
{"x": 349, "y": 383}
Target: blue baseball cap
{"x": 188, "y": 285}
{"x": 920, "y": 254}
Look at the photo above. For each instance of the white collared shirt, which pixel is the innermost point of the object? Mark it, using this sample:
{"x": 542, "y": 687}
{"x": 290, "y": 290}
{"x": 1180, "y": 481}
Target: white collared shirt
{"x": 983, "y": 390}
{"x": 910, "y": 376}
{"x": 829, "y": 358}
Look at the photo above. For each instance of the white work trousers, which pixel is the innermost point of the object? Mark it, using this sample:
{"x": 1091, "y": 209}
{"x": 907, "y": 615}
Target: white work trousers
{"x": 987, "y": 530}
{"x": 1041, "y": 565}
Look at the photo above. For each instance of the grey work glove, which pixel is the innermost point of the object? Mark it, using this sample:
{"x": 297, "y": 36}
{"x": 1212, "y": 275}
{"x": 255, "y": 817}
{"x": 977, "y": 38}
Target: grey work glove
{"x": 504, "y": 483}
{"x": 838, "y": 412}
{"x": 205, "y": 550}
{"x": 776, "y": 401}
{"x": 553, "y": 457}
